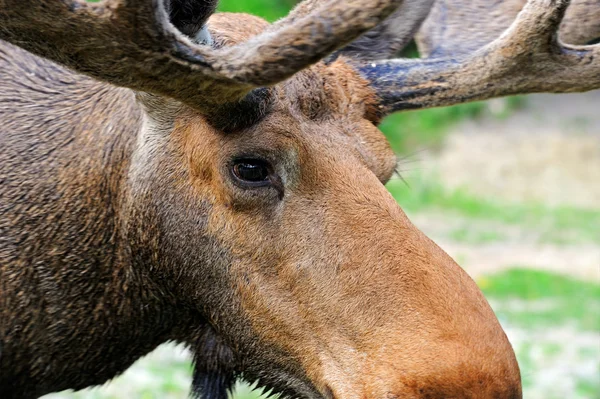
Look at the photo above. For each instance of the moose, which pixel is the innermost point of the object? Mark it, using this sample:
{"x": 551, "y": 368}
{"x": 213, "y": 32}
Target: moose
{"x": 169, "y": 173}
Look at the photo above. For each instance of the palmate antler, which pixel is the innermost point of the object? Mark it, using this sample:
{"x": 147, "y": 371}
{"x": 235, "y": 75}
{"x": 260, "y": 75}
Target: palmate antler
{"x": 132, "y": 43}
{"x": 527, "y": 58}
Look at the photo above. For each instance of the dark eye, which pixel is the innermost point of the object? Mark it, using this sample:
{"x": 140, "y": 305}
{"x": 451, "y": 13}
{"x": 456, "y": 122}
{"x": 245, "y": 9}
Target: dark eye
{"x": 252, "y": 172}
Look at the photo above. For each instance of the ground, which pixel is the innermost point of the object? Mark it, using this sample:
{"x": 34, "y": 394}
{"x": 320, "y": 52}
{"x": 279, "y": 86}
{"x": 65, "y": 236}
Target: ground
{"x": 516, "y": 201}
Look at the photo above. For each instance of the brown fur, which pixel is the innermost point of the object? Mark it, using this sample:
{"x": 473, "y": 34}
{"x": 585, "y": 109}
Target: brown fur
{"x": 121, "y": 229}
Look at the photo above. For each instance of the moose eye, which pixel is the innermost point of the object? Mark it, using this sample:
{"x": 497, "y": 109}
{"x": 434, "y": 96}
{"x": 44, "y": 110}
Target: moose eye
{"x": 252, "y": 172}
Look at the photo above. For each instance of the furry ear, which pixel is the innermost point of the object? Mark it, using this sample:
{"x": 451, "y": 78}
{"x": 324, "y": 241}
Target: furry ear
{"x": 189, "y": 16}
{"x": 214, "y": 367}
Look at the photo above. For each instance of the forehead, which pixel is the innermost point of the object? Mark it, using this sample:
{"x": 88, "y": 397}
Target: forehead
{"x": 328, "y": 91}
{"x": 327, "y": 106}
{"x": 334, "y": 90}
{"x": 326, "y": 114}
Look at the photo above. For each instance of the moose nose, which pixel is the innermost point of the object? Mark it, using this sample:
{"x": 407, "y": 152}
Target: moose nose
{"x": 425, "y": 369}
{"x": 459, "y": 383}
{"x": 424, "y": 362}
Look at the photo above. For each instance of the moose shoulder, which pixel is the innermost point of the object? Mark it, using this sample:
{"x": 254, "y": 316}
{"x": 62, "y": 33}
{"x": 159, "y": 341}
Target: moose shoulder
{"x": 169, "y": 177}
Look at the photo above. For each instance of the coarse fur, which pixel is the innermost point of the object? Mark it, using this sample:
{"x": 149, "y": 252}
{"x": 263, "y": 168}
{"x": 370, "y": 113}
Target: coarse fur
{"x": 121, "y": 230}
{"x": 122, "y": 225}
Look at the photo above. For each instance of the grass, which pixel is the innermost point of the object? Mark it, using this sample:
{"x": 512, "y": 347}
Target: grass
{"x": 533, "y": 298}
{"x": 562, "y": 224}
{"x": 556, "y": 343}
{"x": 408, "y": 131}
{"x": 270, "y": 10}
{"x": 476, "y": 236}
{"x": 530, "y": 284}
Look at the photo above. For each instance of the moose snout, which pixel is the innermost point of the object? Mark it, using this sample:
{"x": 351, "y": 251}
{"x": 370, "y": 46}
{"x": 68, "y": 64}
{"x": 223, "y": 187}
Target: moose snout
{"x": 395, "y": 316}
{"x": 443, "y": 345}
{"x": 443, "y": 375}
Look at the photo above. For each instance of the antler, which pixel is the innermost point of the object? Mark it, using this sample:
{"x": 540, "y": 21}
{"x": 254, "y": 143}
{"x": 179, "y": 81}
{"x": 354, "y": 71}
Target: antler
{"x": 132, "y": 43}
{"x": 392, "y": 35}
{"x": 526, "y": 58}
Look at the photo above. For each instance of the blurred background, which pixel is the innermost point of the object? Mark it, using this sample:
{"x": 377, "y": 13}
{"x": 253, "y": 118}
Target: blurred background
{"x": 510, "y": 188}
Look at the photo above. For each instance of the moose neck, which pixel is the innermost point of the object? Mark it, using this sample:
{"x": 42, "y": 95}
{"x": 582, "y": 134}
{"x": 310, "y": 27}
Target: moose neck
{"x": 68, "y": 220}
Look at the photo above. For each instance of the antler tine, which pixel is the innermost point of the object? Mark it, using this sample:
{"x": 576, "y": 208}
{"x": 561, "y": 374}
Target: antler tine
{"x": 132, "y": 43}
{"x": 391, "y": 36}
{"x": 304, "y": 38}
{"x": 527, "y": 58}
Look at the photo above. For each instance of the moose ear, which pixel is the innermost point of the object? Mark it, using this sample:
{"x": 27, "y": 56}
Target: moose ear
{"x": 190, "y": 16}
{"x": 390, "y": 37}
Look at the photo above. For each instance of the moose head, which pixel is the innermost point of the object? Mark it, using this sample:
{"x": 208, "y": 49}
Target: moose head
{"x": 220, "y": 182}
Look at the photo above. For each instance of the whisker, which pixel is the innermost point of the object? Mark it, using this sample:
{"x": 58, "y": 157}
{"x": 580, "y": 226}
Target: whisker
{"x": 412, "y": 154}
{"x": 409, "y": 161}
{"x": 398, "y": 173}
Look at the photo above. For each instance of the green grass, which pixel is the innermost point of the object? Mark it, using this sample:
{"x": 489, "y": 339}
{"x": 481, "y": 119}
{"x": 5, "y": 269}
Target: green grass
{"x": 588, "y": 389}
{"x": 562, "y": 224}
{"x": 533, "y": 298}
{"x": 542, "y": 304}
{"x": 245, "y": 391}
{"x": 270, "y": 10}
{"x": 408, "y": 131}
{"x": 476, "y": 236}
{"x": 531, "y": 284}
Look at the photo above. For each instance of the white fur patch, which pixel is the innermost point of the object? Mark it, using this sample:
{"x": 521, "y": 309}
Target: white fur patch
{"x": 203, "y": 37}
